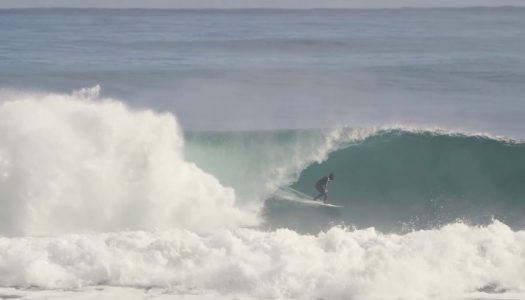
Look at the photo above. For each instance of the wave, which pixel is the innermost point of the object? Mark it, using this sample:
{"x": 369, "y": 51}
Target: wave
{"x": 148, "y": 206}
{"x": 90, "y": 164}
{"x": 77, "y": 163}
{"x": 257, "y": 163}
{"x": 452, "y": 262}
{"x": 387, "y": 177}
{"x": 424, "y": 179}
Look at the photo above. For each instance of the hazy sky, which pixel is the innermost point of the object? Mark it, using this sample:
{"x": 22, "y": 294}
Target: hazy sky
{"x": 254, "y": 3}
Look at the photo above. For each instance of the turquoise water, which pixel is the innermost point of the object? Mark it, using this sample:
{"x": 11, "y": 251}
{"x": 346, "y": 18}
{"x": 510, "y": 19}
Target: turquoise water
{"x": 390, "y": 179}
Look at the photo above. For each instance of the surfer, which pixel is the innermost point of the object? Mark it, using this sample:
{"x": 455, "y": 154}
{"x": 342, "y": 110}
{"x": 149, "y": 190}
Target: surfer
{"x": 322, "y": 187}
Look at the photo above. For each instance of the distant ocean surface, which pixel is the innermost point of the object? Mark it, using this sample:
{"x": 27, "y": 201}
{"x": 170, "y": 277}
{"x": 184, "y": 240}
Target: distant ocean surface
{"x": 145, "y": 153}
{"x": 460, "y": 68}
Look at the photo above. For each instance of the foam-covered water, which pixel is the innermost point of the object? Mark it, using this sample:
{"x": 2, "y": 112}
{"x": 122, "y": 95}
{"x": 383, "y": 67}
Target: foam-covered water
{"x": 338, "y": 264}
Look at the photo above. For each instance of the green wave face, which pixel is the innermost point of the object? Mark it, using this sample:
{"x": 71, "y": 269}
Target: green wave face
{"x": 424, "y": 180}
{"x": 390, "y": 179}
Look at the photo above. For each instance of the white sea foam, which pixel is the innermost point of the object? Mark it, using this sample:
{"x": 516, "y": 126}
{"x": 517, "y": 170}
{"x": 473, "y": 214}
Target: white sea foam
{"x": 453, "y": 261}
{"x": 74, "y": 163}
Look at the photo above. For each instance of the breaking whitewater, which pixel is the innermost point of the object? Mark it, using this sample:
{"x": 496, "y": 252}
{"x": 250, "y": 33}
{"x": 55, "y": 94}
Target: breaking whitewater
{"x": 98, "y": 200}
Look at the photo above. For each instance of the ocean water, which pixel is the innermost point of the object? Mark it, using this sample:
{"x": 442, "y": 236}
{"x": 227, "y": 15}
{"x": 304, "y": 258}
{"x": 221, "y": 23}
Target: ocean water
{"x": 145, "y": 154}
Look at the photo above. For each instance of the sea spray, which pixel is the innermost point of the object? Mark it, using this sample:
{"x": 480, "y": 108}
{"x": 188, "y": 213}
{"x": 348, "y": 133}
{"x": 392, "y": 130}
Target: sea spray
{"x": 75, "y": 163}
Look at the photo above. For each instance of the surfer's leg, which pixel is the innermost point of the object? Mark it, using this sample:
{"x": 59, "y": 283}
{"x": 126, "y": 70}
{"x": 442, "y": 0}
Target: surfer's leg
{"x": 321, "y": 192}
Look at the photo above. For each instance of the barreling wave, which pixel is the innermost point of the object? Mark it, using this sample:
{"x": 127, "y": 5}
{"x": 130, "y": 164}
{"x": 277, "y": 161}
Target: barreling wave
{"x": 424, "y": 179}
{"x": 387, "y": 177}
{"x": 89, "y": 164}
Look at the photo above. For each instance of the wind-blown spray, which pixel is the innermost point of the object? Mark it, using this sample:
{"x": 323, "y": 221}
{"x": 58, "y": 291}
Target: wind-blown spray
{"x": 73, "y": 163}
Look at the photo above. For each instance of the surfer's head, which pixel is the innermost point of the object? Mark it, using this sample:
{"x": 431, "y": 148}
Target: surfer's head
{"x": 331, "y": 176}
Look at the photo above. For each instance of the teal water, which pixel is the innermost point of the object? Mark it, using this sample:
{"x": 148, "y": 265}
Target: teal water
{"x": 390, "y": 179}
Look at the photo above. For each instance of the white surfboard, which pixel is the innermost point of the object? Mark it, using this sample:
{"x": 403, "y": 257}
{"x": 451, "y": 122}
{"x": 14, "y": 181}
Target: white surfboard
{"x": 290, "y": 194}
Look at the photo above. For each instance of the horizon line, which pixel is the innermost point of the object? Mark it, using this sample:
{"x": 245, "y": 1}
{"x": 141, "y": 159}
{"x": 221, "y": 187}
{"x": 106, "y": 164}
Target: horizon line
{"x": 262, "y": 8}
